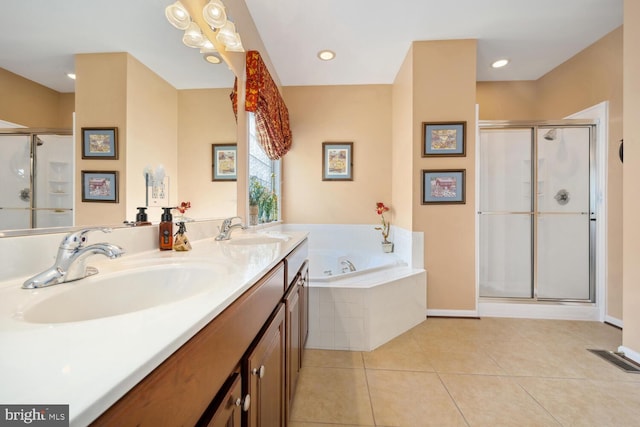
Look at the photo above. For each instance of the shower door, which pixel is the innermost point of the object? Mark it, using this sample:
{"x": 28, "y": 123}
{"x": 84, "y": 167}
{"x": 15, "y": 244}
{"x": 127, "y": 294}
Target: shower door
{"x": 536, "y": 214}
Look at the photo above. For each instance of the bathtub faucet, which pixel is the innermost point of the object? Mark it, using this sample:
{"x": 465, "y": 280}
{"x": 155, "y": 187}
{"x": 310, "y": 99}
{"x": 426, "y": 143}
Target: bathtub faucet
{"x": 348, "y": 266}
{"x": 227, "y": 227}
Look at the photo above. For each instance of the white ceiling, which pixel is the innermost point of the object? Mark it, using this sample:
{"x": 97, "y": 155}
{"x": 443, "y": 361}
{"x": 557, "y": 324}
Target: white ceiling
{"x": 38, "y": 38}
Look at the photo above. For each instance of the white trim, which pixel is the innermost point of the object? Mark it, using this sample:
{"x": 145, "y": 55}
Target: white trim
{"x": 476, "y": 154}
{"x": 539, "y": 311}
{"x": 452, "y": 313}
{"x": 600, "y": 113}
{"x": 613, "y": 321}
{"x": 628, "y": 353}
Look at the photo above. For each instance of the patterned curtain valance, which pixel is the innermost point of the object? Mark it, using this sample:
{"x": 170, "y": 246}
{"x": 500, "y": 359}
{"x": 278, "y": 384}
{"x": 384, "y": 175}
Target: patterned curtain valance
{"x": 272, "y": 117}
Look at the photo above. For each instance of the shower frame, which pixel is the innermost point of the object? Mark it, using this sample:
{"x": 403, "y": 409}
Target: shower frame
{"x": 533, "y": 126}
{"x": 33, "y": 133}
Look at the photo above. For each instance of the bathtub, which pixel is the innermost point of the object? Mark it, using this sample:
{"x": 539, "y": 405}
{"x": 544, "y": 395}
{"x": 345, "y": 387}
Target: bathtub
{"x": 331, "y": 265}
{"x": 363, "y": 309}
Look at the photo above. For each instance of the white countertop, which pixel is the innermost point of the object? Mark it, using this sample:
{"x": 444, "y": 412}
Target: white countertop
{"x": 91, "y": 364}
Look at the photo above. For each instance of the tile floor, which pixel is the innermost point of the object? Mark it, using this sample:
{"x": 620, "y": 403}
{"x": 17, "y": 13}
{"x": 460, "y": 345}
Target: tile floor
{"x": 470, "y": 372}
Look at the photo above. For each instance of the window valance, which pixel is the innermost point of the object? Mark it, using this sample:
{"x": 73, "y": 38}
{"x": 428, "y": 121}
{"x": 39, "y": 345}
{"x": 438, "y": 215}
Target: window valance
{"x": 264, "y": 100}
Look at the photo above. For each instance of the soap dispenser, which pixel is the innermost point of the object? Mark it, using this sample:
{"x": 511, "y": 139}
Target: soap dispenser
{"x": 166, "y": 230}
{"x": 141, "y": 217}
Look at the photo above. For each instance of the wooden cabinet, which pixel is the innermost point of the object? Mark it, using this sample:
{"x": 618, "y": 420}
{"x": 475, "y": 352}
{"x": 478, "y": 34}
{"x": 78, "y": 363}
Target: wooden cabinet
{"x": 297, "y": 327}
{"x": 226, "y": 410}
{"x": 264, "y": 369}
{"x": 239, "y": 370}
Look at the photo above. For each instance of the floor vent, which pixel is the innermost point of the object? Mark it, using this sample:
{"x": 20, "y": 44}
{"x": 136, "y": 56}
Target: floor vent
{"x": 618, "y": 359}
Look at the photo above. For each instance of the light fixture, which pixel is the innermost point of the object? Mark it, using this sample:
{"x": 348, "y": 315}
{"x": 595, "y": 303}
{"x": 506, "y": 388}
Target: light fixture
{"x": 193, "y": 36}
{"x": 177, "y": 15}
{"x": 207, "y": 46}
{"x": 326, "y": 55}
{"x": 500, "y": 63}
{"x": 214, "y": 13}
{"x": 235, "y": 46}
{"x": 227, "y": 34}
{"x": 72, "y": 76}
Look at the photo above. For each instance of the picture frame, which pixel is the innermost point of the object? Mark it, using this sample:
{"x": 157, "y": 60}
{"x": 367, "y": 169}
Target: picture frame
{"x": 100, "y": 143}
{"x": 444, "y": 139}
{"x": 443, "y": 186}
{"x": 100, "y": 186}
{"x": 224, "y": 162}
{"x": 337, "y": 161}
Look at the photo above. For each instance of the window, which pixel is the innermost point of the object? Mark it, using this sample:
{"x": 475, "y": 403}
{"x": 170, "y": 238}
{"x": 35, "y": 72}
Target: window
{"x": 264, "y": 181}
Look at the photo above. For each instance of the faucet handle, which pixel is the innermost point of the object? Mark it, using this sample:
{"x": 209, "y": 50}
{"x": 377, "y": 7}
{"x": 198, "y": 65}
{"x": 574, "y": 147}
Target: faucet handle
{"x": 76, "y": 239}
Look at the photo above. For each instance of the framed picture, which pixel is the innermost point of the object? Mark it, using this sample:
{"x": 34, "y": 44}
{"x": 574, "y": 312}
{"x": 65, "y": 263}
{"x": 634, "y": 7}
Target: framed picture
{"x": 225, "y": 162}
{"x": 444, "y": 139}
{"x": 100, "y": 143}
{"x": 443, "y": 186}
{"x": 337, "y": 161}
{"x": 100, "y": 186}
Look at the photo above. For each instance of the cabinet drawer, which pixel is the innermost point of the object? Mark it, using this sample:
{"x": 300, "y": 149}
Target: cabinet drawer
{"x": 295, "y": 260}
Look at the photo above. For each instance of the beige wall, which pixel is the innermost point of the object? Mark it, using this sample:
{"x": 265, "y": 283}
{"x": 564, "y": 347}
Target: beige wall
{"x": 631, "y": 177}
{"x": 446, "y": 93}
{"x": 402, "y": 158}
{"x": 511, "y": 100}
{"x": 358, "y": 114}
{"x": 101, "y": 100}
{"x": 152, "y": 134}
{"x": 116, "y": 90}
{"x": 205, "y": 117}
{"x": 30, "y": 104}
{"x": 592, "y": 76}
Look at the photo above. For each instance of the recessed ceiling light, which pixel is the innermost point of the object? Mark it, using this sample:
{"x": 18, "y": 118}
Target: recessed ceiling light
{"x": 72, "y": 76}
{"x": 212, "y": 58}
{"x": 500, "y": 63}
{"x": 326, "y": 55}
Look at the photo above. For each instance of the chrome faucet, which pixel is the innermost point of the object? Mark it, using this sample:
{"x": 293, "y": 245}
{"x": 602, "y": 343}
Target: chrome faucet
{"x": 71, "y": 258}
{"x": 348, "y": 266}
{"x": 227, "y": 227}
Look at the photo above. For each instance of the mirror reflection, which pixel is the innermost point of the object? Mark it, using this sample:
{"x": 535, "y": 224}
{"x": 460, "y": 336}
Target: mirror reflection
{"x": 169, "y": 105}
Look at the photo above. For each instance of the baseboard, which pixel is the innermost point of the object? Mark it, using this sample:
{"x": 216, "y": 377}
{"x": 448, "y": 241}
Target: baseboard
{"x": 630, "y": 354}
{"x": 452, "y": 313}
{"x": 613, "y": 321}
{"x": 538, "y": 311}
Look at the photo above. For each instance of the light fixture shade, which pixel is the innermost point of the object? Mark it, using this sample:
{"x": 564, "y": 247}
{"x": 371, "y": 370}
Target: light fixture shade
{"x": 214, "y": 13}
{"x": 236, "y": 46}
{"x": 177, "y": 15}
{"x": 207, "y": 46}
{"x": 193, "y": 36}
{"x": 227, "y": 34}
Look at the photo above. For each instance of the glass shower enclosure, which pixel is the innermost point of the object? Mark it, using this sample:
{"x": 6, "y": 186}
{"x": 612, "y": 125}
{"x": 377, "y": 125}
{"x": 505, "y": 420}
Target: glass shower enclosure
{"x": 537, "y": 210}
{"x": 37, "y": 171}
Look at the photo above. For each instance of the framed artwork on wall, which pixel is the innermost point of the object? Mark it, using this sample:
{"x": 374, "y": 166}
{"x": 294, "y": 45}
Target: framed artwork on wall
{"x": 337, "y": 161}
{"x": 443, "y": 186}
{"x": 100, "y": 143}
{"x": 100, "y": 186}
{"x": 225, "y": 162}
{"x": 443, "y": 139}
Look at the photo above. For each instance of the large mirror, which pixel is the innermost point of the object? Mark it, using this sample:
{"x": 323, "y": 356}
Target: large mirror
{"x": 38, "y": 94}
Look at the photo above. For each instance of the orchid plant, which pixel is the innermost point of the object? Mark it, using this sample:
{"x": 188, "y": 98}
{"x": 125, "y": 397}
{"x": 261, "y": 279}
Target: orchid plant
{"x": 380, "y": 210}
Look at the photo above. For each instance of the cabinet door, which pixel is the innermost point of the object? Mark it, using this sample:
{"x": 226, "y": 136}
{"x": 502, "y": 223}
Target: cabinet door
{"x": 265, "y": 370}
{"x": 227, "y": 411}
{"x": 304, "y": 307}
{"x": 292, "y": 305}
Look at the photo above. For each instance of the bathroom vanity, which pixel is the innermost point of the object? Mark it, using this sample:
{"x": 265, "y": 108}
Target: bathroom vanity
{"x": 227, "y": 355}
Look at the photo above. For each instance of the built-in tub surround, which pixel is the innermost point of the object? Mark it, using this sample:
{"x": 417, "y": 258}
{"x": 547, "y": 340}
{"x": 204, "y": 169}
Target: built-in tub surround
{"x": 90, "y": 364}
{"x": 362, "y": 309}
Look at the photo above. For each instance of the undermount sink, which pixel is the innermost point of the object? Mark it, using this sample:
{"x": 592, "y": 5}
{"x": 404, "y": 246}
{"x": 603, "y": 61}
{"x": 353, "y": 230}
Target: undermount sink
{"x": 122, "y": 292}
{"x": 256, "y": 239}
